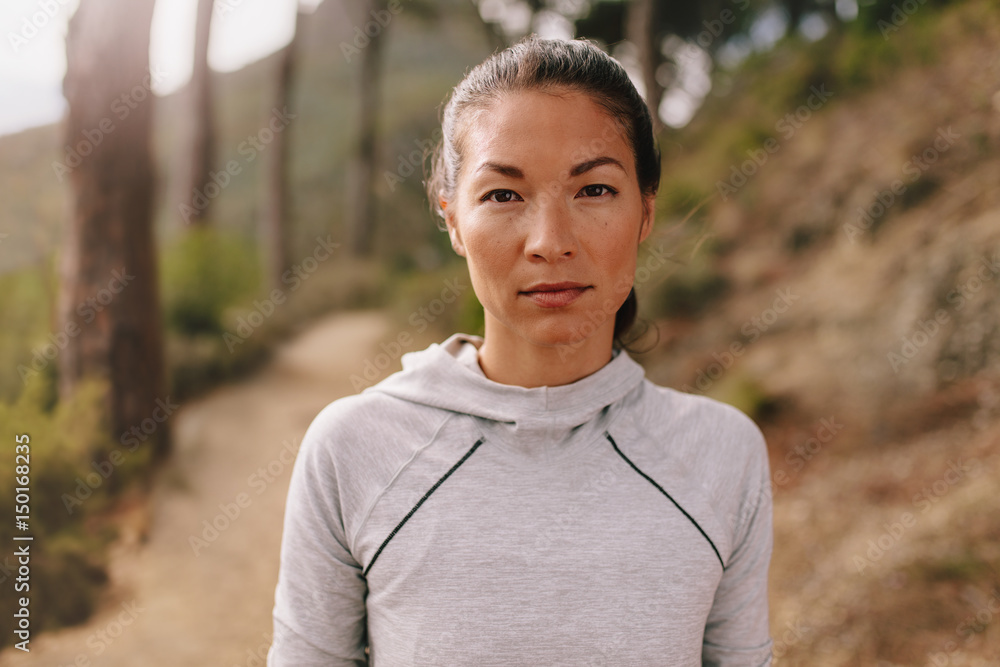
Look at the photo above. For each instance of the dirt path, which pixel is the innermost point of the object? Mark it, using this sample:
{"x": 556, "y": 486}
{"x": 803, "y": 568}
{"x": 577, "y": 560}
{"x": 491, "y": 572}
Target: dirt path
{"x": 172, "y": 607}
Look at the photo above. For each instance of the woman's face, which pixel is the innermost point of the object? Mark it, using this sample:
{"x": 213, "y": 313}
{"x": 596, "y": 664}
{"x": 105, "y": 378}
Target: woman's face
{"x": 548, "y": 194}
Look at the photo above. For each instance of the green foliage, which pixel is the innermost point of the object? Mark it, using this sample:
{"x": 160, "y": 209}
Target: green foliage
{"x": 68, "y": 443}
{"x": 249, "y": 329}
{"x": 26, "y": 306}
{"x": 750, "y": 137}
{"x": 867, "y": 55}
{"x": 341, "y": 283}
{"x": 66, "y": 579}
{"x": 918, "y": 191}
{"x": 441, "y": 300}
{"x": 199, "y": 362}
{"x": 788, "y": 85}
{"x": 964, "y": 567}
{"x": 863, "y": 59}
{"x": 689, "y": 292}
{"x": 203, "y": 273}
{"x": 471, "y": 317}
{"x": 680, "y": 198}
{"x": 879, "y": 17}
{"x": 745, "y": 393}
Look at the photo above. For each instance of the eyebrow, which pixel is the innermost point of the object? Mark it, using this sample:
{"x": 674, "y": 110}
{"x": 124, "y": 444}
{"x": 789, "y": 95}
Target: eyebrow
{"x": 596, "y": 162}
{"x": 504, "y": 169}
{"x": 513, "y": 172}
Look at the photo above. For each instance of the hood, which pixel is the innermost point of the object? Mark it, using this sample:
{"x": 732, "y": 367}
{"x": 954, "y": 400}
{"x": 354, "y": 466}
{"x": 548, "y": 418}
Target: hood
{"x": 448, "y": 376}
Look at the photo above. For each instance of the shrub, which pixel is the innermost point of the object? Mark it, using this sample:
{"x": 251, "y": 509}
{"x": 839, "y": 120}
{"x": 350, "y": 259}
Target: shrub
{"x": 26, "y": 306}
{"x": 68, "y": 442}
{"x": 202, "y": 274}
{"x": 688, "y": 293}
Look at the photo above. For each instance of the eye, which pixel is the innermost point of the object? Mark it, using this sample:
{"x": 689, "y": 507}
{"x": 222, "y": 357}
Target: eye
{"x": 502, "y": 196}
{"x": 593, "y": 191}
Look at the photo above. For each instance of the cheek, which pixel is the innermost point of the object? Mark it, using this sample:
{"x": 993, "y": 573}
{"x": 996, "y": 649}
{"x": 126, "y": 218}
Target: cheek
{"x": 620, "y": 261}
{"x": 489, "y": 243}
{"x": 488, "y": 262}
{"x": 616, "y": 253}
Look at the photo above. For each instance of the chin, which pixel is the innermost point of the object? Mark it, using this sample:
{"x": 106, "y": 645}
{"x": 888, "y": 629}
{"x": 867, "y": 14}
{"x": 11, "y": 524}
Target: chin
{"x": 573, "y": 331}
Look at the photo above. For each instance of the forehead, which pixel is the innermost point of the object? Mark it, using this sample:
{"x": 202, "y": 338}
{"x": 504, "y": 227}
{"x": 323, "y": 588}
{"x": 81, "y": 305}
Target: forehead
{"x": 536, "y": 131}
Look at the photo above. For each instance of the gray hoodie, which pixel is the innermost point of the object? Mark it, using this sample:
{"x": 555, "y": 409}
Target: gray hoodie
{"x": 441, "y": 518}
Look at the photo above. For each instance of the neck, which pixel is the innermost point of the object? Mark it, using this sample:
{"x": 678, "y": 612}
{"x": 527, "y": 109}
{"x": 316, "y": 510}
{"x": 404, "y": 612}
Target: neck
{"x": 508, "y": 358}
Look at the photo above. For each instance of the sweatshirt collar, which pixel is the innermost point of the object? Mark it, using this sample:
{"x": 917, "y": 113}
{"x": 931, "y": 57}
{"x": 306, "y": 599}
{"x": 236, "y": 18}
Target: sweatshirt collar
{"x": 447, "y": 376}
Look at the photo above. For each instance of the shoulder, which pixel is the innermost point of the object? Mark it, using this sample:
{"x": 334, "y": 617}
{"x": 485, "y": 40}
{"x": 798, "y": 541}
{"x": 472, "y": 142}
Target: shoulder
{"x": 370, "y": 430}
{"x": 711, "y": 457}
{"x": 354, "y": 449}
{"x": 718, "y": 447}
{"x": 366, "y": 413}
{"x": 713, "y": 426}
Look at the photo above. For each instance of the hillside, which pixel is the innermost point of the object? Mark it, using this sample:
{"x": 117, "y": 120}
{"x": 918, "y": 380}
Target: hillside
{"x": 846, "y": 293}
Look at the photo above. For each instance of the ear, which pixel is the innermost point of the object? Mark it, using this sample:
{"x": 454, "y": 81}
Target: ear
{"x": 453, "y": 232}
{"x": 648, "y": 213}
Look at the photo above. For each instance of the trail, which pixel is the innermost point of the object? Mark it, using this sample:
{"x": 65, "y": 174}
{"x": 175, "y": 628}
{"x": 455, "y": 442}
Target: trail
{"x": 168, "y": 606}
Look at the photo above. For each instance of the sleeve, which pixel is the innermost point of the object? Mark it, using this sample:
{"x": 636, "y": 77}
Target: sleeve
{"x": 737, "y": 631}
{"x": 319, "y": 602}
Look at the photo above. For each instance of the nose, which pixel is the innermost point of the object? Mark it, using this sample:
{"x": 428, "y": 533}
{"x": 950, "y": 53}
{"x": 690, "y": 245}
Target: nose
{"x": 551, "y": 235}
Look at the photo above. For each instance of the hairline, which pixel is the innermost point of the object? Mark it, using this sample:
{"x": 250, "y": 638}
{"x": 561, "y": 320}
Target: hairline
{"x": 483, "y": 104}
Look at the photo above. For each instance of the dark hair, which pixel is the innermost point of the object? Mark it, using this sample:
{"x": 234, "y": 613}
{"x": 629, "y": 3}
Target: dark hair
{"x": 550, "y": 65}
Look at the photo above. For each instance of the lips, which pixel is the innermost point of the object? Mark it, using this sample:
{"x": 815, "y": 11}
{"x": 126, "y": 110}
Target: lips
{"x": 554, "y": 287}
{"x": 555, "y": 295}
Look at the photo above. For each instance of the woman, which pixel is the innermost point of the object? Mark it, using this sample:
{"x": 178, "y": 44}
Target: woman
{"x": 528, "y": 497}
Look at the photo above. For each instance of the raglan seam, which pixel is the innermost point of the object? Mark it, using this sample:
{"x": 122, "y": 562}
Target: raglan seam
{"x": 663, "y": 491}
{"x": 709, "y": 494}
{"x": 413, "y": 510}
{"x": 649, "y": 437}
{"x": 352, "y": 540}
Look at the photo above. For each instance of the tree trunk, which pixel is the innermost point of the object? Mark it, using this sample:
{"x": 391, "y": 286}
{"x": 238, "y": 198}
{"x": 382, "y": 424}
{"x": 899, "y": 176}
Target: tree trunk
{"x": 640, "y": 30}
{"x": 795, "y": 9}
{"x": 278, "y": 206}
{"x": 361, "y": 177}
{"x": 202, "y": 128}
{"x": 109, "y": 302}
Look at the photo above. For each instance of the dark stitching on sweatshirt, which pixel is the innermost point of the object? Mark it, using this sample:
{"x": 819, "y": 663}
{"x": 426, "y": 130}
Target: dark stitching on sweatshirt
{"x": 421, "y": 502}
{"x": 663, "y": 491}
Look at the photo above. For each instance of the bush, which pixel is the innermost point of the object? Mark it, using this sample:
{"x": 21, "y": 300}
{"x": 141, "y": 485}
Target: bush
{"x": 876, "y": 16}
{"x": 682, "y": 199}
{"x": 68, "y": 445}
{"x": 25, "y": 302}
{"x": 688, "y": 293}
{"x": 247, "y": 329}
{"x": 747, "y": 395}
{"x": 202, "y": 274}
{"x": 442, "y": 301}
